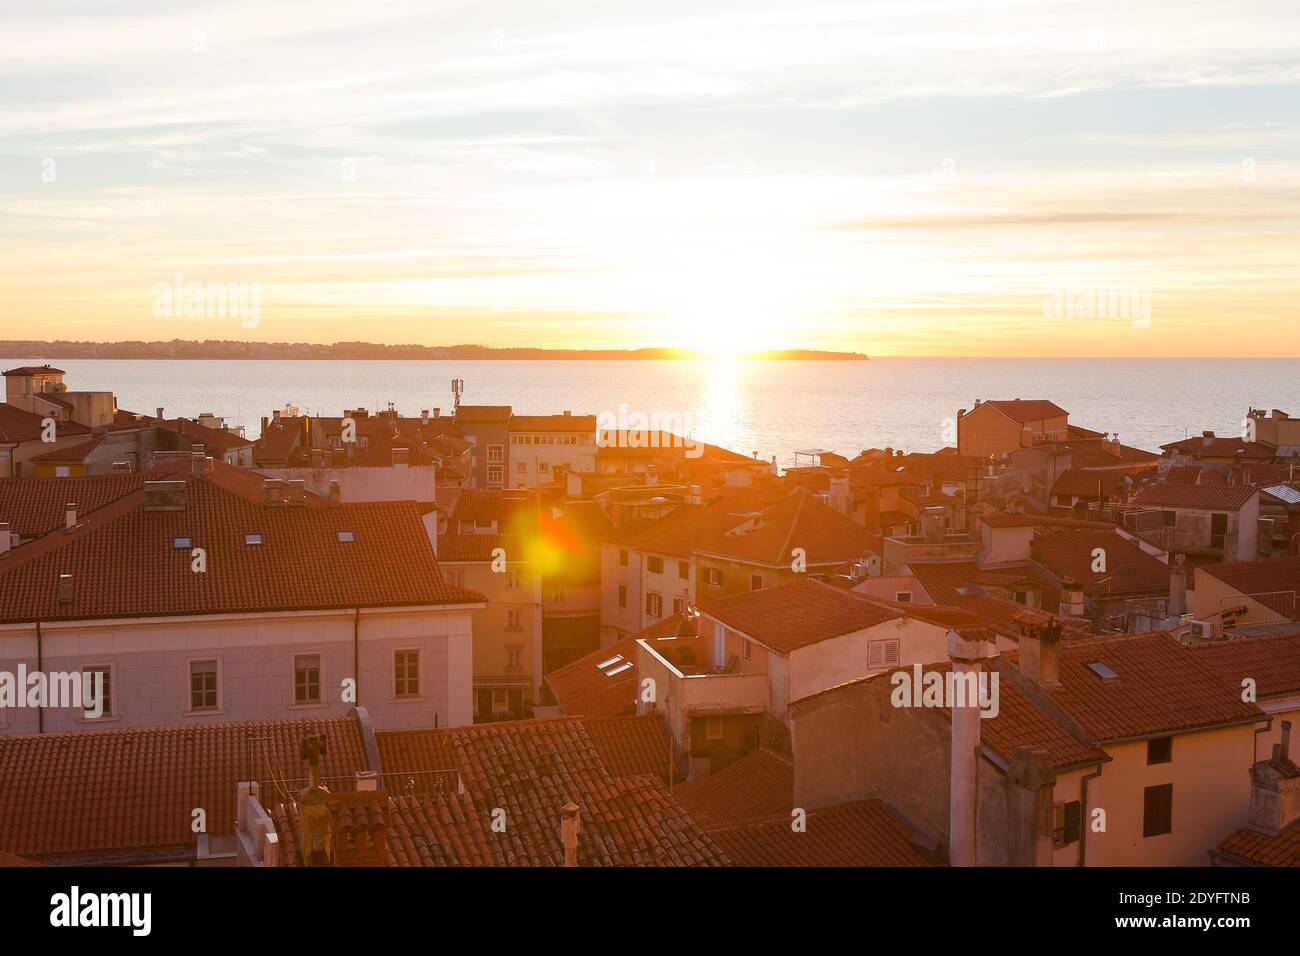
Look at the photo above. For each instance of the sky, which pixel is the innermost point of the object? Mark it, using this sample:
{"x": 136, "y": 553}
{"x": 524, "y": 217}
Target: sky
{"x": 894, "y": 178}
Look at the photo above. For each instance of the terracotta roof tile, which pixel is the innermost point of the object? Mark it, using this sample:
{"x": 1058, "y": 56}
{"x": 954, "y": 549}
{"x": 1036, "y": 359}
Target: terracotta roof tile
{"x": 36, "y": 506}
{"x": 1129, "y": 569}
{"x": 797, "y": 614}
{"x": 757, "y": 787}
{"x": 1223, "y": 497}
{"x": 1272, "y": 662}
{"x": 866, "y": 833}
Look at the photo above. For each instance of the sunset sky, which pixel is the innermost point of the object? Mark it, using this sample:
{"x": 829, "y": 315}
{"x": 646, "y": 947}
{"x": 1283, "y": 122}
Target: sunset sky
{"x": 911, "y": 178}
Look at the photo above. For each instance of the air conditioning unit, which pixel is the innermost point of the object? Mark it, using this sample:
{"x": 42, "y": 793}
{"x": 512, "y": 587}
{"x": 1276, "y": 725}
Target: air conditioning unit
{"x": 1199, "y": 628}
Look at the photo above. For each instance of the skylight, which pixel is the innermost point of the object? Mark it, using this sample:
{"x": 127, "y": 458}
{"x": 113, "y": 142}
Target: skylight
{"x": 181, "y": 543}
{"x": 255, "y": 538}
{"x": 613, "y": 660}
{"x": 346, "y": 536}
{"x": 618, "y": 670}
{"x": 1102, "y": 671}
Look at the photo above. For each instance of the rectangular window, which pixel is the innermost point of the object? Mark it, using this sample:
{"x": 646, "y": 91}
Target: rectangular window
{"x": 106, "y": 693}
{"x": 622, "y": 558}
{"x": 1160, "y": 750}
{"x": 406, "y": 674}
{"x": 514, "y": 657}
{"x": 1158, "y": 810}
{"x": 543, "y": 467}
{"x": 622, "y": 595}
{"x": 521, "y": 467}
{"x": 712, "y": 728}
{"x": 713, "y": 577}
{"x": 455, "y": 576}
{"x": 1169, "y": 518}
{"x": 903, "y": 597}
{"x": 494, "y": 474}
{"x": 756, "y": 582}
{"x": 306, "y": 679}
{"x": 882, "y": 653}
{"x": 749, "y": 649}
{"x": 684, "y": 569}
{"x": 495, "y": 454}
{"x": 512, "y": 580}
{"x": 203, "y": 685}
{"x": 679, "y": 606}
{"x": 1065, "y": 823}
{"x": 513, "y": 619}
{"x": 654, "y": 604}
{"x": 654, "y": 565}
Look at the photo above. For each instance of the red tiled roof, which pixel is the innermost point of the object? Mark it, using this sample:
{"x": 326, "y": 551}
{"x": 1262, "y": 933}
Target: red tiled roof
{"x": 797, "y": 614}
{"x": 866, "y": 833}
{"x": 77, "y": 452}
{"x": 1162, "y": 687}
{"x": 1272, "y": 662}
{"x": 482, "y": 413}
{"x": 10, "y": 860}
{"x": 213, "y": 437}
{"x": 798, "y": 520}
{"x": 17, "y": 425}
{"x": 1022, "y": 411}
{"x": 1084, "y": 484}
{"x": 757, "y": 787}
{"x": 1222, "y": 447}
{"x": 34, "y": 370}
{"x": 584, "y": 690}
{"x": 1129, "y": 569}
{"x": 36, "y": 506}
{"x": 1183, "y": 475}
{"x": 454, "y": 548}
{"x": 941, "y": 580}
{"x": 1224, "y": 497}
{"x": 124, "y": 564}
{"x": 630, "y": 746}
{"x": 133, "y": 791}
{"x": 1264, "y": 578}
{"x": 1264, "y": 849}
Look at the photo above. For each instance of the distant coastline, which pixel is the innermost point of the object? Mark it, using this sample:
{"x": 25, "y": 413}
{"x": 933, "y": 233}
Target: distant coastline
{"x": 222, "y": 349}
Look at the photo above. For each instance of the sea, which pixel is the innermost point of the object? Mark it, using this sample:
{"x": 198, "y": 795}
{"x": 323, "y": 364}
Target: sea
{"x": 768, "y": 408}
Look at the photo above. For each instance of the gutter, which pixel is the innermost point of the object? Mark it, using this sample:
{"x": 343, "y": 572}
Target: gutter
{"x": 40, "y": 666}
{"x": 356, "y": 655}
{"x": 1083, "y": 813}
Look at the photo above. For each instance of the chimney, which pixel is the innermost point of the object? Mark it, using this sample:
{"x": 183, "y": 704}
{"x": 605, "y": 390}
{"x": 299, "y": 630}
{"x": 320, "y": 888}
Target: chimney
{"x": 1071, "y": 598}
{"x": 265, "y": 424}
{"x": 65, "y": 588}
{"x": 295, "y": 493}
{"x": 570, "y": 827}
{"x": 424, "y": 416}
{"x": 1111, "y": 445}
{"x": 159, "y": 410}
{"x": 317, "y": 458}
{"x": 335, "y": 494}
{"x": 198, "y": 461}
{"x": 1178, "y": 587}
{"x": 437, "y": 413}
{"x": 1030, "y": 782}
{"x": 164, "y": 496}
{"x": 1206, "y": 439}
{"x": 367, "y": 780}
{"x": 6, "y": 539}
{"x": 1040, "y": 653}
{"x": 273, "y": 492}
{"x": 1275, "y": 789}
{"x": 70, "y": 514}
{"x": 968, "y": 648}
{"x": 317, "y": 843}
{"x": 275, "y": 415}
{"x": 694, "y": 496}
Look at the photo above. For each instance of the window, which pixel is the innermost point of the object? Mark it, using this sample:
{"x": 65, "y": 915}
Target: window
{"x": 1065, "y": 823}
{"x": 521, "y": 467}
{"x": 203, "y": 685}
{"x": 756, "y": 582}
{"x": 254, "y": 538}
{"x": 306, "y": 679}
{"x": 512, "y": 580}
{"x": 1160, "y": 750}
{"x": 455, "y": 576}
{"x": 495, "y": 454}
{"x": 88, "y": 674}
{"x": 1169, "y": 518}
{"x": 543, "y": 467}
{"x": 713, "y": 577}
{"x": 712, "y": 728}
{"x": 406, "y": 674}
{"x": 1158, "y": 810}
{"x": 903, "y": 597}
{"x": 679, "y": 606}
{"x": 654, "y": 604}
{"x": 684, "y": 569}
{"x": 557, "y": 592}
{"x": 514, "y": 657}
{"x": 882, "y": 653}
{"x": 494, "y": 474}
{"x": 622, "y": 558}
{"x": 622, "y": 595}
{"x": 749, "y": 649}
{"x": 654, "y": 565}
{"x": 182, "y": 543}
{"x": 513, "y": 619}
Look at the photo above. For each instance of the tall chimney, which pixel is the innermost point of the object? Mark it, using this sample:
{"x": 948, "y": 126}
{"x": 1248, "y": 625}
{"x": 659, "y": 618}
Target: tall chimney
{"x": 335, "y": 494}
{"x": 1178, "y": 586}
{"x": 159, "y": 410}
{"x": 1040, "y": 653}
{"x": 570, "y": 826}
{"x": 424, "y": 416}
{"x": 968, "y": 648}
{"x": 1275, "y": 789}
{"x": 1071, "y": 598}
{"x": 70, "y": 514}
{"x": 1031, "y": 779}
